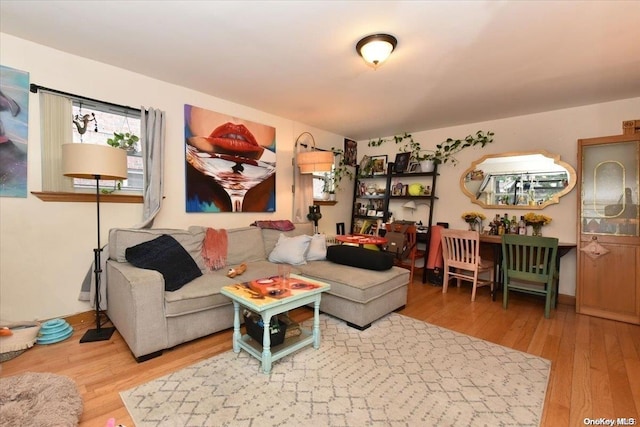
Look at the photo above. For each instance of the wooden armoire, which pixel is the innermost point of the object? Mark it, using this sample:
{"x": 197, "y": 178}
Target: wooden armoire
{"x": 609, "y": 228}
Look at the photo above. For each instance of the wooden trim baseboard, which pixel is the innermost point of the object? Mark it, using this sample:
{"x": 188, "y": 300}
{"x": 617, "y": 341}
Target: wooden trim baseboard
{"x": 567, "y": 299}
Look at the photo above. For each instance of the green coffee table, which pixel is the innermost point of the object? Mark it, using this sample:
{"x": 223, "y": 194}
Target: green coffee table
{"x": 299, "y": 291}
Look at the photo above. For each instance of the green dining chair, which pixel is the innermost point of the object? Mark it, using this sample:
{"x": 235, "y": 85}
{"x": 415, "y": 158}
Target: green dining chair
{"x": 529, "y": 266}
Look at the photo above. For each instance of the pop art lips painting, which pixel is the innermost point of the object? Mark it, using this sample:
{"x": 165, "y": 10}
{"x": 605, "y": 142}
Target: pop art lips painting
{"x": 232, "y": 139}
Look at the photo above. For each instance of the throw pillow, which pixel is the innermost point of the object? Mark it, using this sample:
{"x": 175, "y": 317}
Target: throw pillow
{"x": 165, "y": 255}
{"x": 360, "y": 257}
{"x": 290, "y": 250}
{"x": 317, "y": 248}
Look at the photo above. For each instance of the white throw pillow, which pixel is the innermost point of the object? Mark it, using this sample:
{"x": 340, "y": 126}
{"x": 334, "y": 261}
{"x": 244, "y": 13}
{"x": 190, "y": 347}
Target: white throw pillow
{"x": 317, "y": 248}
{"x": 290, "y": 250}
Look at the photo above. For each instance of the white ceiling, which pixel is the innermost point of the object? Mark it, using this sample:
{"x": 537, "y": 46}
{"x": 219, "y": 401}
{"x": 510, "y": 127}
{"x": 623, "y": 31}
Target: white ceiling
{"x": 456, "y": 62}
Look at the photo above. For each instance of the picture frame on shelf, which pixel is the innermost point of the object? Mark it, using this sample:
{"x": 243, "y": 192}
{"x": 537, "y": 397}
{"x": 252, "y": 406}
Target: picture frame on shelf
{"x": 379, "y": 164}
{"x": 365, "y": 166}
{"x": 401, "y": 163}
{"x": 371, "y": 212}
{"x": 396, "y": 190}
{"x": 413, "y": 167}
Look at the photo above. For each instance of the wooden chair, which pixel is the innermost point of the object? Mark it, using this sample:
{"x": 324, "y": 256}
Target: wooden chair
{"x": 529, "y": 265}
{"x": 460, "y": 250}
{"x": 409, "y": 259}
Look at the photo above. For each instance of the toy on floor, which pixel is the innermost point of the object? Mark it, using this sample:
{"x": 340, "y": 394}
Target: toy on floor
{"x": 236, "y": 271}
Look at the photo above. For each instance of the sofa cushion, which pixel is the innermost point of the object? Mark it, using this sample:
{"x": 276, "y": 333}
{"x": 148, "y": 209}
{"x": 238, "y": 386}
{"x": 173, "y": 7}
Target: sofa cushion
{"x": 291, "y": 250}
{"x": 270, "y": 236}
{"x": 356, "y": 284}
{"x": 360, "y": 257}
{"x": 317, "y": 248}
{"x": 122, "y": 238}
{"x": 165, "y": 255}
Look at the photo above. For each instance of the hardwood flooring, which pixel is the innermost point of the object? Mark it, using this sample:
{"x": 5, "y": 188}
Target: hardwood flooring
{"x": 595, "y": 371}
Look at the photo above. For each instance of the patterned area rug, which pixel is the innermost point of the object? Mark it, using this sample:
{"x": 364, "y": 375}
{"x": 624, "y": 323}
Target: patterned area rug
{"x": 399, "y": 372}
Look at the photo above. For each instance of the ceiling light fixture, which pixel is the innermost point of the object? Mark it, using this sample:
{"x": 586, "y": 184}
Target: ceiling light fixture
{"x": 376, "y": 48}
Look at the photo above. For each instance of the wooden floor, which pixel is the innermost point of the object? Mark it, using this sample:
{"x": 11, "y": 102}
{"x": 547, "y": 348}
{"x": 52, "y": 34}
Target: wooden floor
{"x": 595, "y": 371}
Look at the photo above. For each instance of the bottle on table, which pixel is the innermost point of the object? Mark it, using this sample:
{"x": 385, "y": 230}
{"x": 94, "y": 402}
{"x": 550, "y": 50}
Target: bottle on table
{"x": 522, "y": 226}
{"x": 513, "y": 226}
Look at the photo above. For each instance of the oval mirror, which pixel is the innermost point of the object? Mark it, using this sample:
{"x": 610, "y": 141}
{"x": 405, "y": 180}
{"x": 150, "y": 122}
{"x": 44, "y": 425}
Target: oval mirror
{"x": 523, "y": 180}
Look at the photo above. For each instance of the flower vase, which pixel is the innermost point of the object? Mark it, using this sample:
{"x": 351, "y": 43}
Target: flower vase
{"x": 473, "y": 225}
{"x": 537, "y": 230}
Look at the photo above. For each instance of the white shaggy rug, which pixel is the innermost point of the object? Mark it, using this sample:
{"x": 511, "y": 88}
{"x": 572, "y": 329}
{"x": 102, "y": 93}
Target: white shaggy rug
{"x": 399, "y": 372}
{"x": 39, "y": 400}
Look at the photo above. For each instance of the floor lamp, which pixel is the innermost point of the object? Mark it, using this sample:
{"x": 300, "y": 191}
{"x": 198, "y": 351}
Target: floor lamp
{"x": 92, "y": 161}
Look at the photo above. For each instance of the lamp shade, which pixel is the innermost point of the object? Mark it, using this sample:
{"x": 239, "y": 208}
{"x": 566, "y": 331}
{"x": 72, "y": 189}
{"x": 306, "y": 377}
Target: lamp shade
{"x": 376, "y": 48}
{"x": 315, "y": 161}
{"x": 410, "y": 205}
{"x": 91, "y": 160}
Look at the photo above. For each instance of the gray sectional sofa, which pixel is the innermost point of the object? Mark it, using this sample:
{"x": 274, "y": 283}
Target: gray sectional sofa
{"x": 151, "y": 319}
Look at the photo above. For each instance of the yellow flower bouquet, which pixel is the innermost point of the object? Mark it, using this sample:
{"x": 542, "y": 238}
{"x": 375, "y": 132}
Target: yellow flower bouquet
{"x": 536, "y": 221}
{"x": 474, "y": 219}
{"x": 473, "y": 216}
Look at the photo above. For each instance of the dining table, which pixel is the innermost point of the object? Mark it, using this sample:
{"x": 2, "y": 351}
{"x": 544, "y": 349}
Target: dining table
{"x": 493, "y": 244}
{"x": 361, "y": 239}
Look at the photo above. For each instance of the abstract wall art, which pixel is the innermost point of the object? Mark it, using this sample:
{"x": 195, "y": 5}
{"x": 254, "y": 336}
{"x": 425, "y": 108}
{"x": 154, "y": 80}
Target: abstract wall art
{"x": 230, "y": 163}
{"x": 14, "y": 127}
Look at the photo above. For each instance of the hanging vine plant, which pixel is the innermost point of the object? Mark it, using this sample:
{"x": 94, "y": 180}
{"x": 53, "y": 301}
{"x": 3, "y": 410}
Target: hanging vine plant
{"x": 341, "y": 170}
{"x": 444, "y": 151}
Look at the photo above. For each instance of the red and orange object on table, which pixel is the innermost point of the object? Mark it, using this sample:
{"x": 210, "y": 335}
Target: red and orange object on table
{"x": 361, "y": 239}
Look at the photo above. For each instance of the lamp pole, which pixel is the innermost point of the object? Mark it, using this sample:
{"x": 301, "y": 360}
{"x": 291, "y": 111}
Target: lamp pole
{"x": 99, "y": 333}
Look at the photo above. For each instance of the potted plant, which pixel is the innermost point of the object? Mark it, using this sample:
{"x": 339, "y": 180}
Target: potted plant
{"x": 127, "y": 141}
{"x": 327, "y": 187}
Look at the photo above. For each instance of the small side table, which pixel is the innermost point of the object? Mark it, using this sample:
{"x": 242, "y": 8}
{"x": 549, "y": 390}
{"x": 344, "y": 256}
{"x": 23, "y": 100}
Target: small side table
{"x": 267, "y": 307}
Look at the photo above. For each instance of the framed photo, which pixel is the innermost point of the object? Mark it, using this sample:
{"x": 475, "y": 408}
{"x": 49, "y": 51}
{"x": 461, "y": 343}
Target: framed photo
{"x": 413, "y": 167}
{"x": 402, "y": 162}
{"x": 396, "y": 190}
{"x": 365, "y": 165}
{"x": 371, "y": 212}
{"x": 379, "y": 164}
{"x": 350, "y": 152}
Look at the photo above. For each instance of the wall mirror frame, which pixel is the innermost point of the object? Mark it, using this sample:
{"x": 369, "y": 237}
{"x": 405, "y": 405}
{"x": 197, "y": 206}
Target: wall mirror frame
{"x": 518, "y": 180}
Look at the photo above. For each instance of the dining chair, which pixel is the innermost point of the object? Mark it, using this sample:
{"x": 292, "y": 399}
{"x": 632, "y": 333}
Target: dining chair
{"x": 529, "y": 266}
{"x": 460, "y": 251}
{"x": 408, "y": 256}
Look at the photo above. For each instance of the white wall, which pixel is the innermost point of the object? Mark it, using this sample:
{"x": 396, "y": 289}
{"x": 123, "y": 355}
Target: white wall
{"x": 46, "y": 247}
{"x": 554, "y": 131}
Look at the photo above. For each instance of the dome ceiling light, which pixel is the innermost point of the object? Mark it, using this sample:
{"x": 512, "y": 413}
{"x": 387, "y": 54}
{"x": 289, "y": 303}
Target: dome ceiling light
{"x": 376, "y": 48}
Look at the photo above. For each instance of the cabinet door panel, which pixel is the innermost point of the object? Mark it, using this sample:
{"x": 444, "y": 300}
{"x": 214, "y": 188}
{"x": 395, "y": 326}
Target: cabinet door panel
{"x": 609, "y": 172}
{"x": 609, "y": 284}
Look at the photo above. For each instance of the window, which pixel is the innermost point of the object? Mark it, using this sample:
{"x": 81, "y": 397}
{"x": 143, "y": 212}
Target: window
{"x": 319, "y": 180}
{"x": 104, "y": 120}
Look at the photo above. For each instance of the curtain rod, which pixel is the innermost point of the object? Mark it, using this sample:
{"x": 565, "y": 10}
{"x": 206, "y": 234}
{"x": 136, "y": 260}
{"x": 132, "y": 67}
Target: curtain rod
{"x": 33, "y": 88}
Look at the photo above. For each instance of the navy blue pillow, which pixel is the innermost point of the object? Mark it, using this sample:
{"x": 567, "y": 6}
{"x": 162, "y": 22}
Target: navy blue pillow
{"x": 165, "y": 255}
{"x": 355, "y": 256}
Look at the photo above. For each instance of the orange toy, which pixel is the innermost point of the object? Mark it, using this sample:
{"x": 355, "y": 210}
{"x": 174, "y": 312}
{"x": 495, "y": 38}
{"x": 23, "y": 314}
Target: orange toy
{"x": 233, "y": 272}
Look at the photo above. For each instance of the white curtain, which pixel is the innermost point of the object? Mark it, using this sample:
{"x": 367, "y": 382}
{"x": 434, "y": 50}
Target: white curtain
{"x": 152, "y": 131}
{"x": 152, "y": 134}
{"x": 56, "y": 116}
